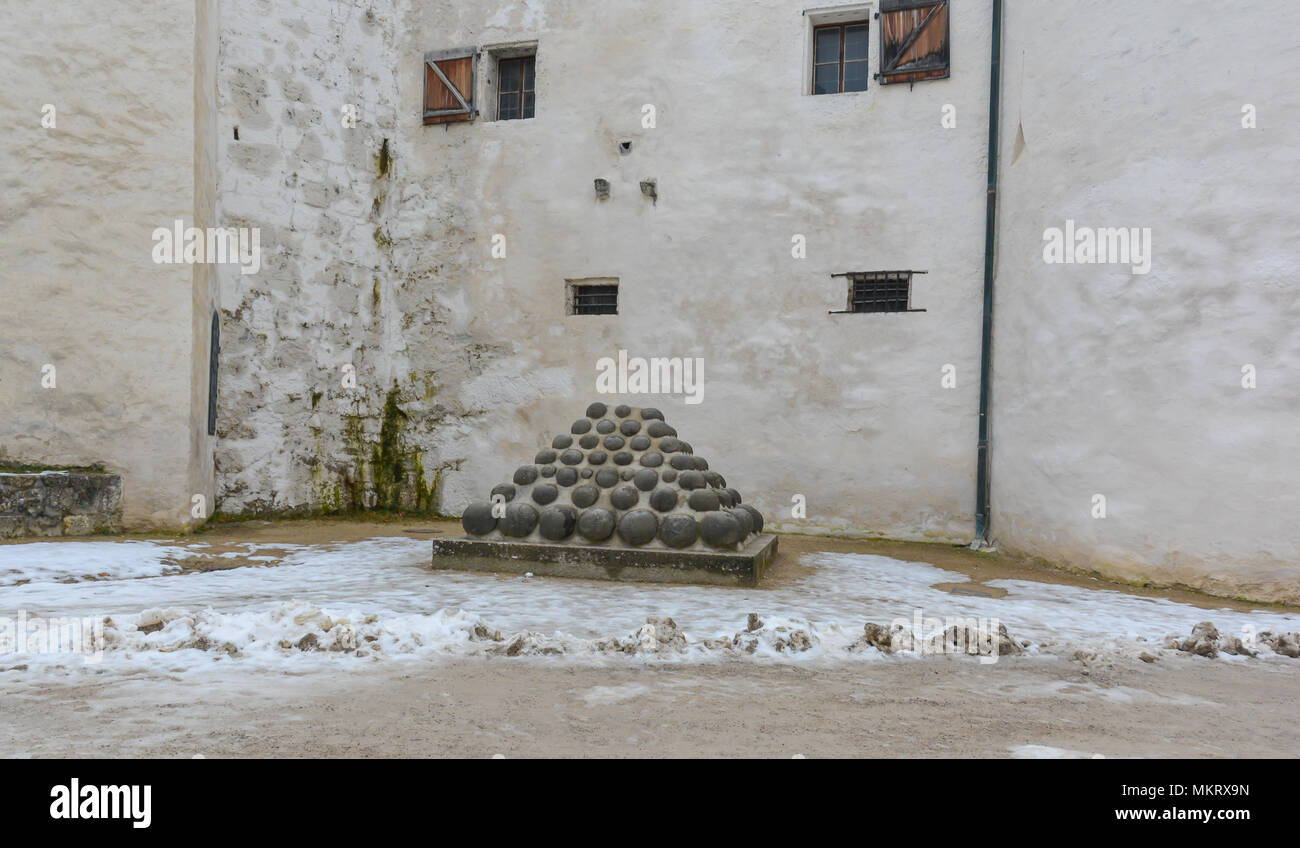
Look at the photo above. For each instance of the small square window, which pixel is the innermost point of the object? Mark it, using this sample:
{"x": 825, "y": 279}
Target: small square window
{"x": 595, "y": 297}
{"x": 840, "y": 57}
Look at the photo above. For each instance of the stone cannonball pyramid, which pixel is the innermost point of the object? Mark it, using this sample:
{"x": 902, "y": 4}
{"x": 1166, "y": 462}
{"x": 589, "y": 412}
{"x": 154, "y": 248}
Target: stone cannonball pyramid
{"x": 620, "y": 495}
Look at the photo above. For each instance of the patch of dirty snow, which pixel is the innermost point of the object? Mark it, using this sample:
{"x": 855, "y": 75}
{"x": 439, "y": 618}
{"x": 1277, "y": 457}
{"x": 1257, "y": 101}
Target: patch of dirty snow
{"x": 44, "y": 562}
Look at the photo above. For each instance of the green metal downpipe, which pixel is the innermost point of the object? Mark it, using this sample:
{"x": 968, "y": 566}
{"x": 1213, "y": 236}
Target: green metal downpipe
{"x": 982, "y": 507}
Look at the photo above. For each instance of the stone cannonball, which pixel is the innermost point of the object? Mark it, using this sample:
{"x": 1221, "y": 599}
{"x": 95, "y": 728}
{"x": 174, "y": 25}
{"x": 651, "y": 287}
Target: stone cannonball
{"x": 652, "y": 459}
{"x": 629, "y": 427}
{"x": 614, "y": 442}
{"x": 679, "y": 530}
{"x": 691, "y": 480}
{"x": 597, "y": 457}
{"x": 638, "y": 527}
{"x": 755, "y": 517}
{"x": 545, "y": 457}
{"x": 596, "y": 524}
{"x": 607, "y": 477}
{"x": 658, "y": 429}
{"x": 525, "y": 474}
{"x": 505, "y": 490}
{"x": 622, "y": 410}
{"x": 572, "y": 456}
{"x": 700, "y": 500}
{"x": 646, "y": 479}
{"x": 650, "y": 414}
{"x": 478, "y": 519}
{"x": 519, "y": 520}
{"x": 562, "y": 442}
{"x": 664, "y": 500}
{"x": 557, "y": 522}
{"x": 545, "y": 493}
{"x": 639, "y": 443}
{"x": 566, "y": 476}
{"x": 670, "y": 444}
{"x": 743, "y": 518}
{"x": 585, "y": 495}
{"x": 605, "y": 427}
{"x": 597, "y": 410}
{"x": 624, "y": 497}
{"x": 720, "y": 529}
{"x": 582, "y": 425}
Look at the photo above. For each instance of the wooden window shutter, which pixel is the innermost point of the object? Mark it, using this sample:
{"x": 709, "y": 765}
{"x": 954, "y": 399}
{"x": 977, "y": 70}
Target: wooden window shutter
{"x": 913, "y": 40}
{"x": 449, "y": 83}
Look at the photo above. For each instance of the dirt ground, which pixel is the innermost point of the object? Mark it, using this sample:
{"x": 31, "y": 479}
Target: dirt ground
{"x": 938, "y": 707}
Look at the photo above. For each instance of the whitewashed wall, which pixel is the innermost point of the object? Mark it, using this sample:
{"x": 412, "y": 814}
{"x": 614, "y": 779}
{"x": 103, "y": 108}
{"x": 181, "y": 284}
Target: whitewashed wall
{"x": 1130, "y": 386}
{"x": 847, "y": 410}
{"x": 78, "y": 287}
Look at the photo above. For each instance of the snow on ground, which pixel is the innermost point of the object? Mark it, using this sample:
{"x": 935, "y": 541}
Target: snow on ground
{"x": 364, "y": 601}
{"x": 71, "y": 561}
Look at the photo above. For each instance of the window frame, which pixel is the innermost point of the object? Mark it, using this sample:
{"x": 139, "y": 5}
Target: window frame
{"x": 884, "y": 277}
{"x": 573, "y": 287}
{"x": 490, "y": 78}
{"x": 525, "y": 60}
{"x": 841, "y": 62}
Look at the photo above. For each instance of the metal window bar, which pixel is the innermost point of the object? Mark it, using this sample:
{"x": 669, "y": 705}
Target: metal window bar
{"x": 595, "y": 300}
{"x": 879, "y": 291}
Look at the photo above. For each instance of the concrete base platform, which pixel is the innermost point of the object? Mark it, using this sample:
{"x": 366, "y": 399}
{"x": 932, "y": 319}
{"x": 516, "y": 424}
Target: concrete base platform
{"x": 742, "y": 567}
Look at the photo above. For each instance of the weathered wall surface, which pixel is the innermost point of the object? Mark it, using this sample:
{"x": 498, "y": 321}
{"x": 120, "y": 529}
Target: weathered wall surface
{"x": 79, "y": 289}
{"x": 394, "y": 274}
{"x": 1130, "y": 386}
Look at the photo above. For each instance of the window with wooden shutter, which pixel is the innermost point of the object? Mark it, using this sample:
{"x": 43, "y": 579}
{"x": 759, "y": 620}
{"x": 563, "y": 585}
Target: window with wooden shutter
{"x": 449, "y": 85}
{"x": 913, "y": 40}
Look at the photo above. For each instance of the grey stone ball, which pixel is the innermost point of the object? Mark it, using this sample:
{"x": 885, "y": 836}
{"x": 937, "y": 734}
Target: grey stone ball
{"x": 605, "y": 426}
{"x": 589, "y": 441}
{"x": 652, "y": 459}
{"x": 629, "y": 427}
{"x": 624, "y": 497}
{"x": 685, "y": 447}
{"x": 562, "y": 442}
{"x": 627, "y": 473}
{"x": 597, "y": 457}
{"x": 701, "y": 464}
{"x": 572, "y": 456}
{"x": 700, "y": 500}
{"x": 720, "y": 529}
{"x": 585, "y": 495}
{"x": 664, "y": 500}
{"x": 597, "y": 410}
{"x": 743, "y": 518}
{"x": 755, "y": 517}
{"x": 547, "y": 470}
{"x": 650, "y": 413}
{"x": 735, "y": 496}
{"x": 646, "y": 479}
{"x": 607, "y": 477}
{"x": 596, "y": 524}
{"x": 724, "y": 497}
{"x": 668, "y": 476}
{"x": 622, "y": 410}
{"x": 669, "y": 444}
{"x": 639, "y": 443}
{"x": 614, "y": 442}
{"x": 557, "y": 522}
{"x": 585, "y": 473}
{"x": 638, "y": 527}
{"x": 712, "y": 478}
{"x": 679, "y": 530}
{"x": 545, "y": 456}
{"x": 566, "y": 476}
{"x": 682, "y": 462}
{"x": 545, "y": 493}
{"x": 519, "y": 520}
{"x": 581, "y": 426}
{"x": 525, "y": 474}
{"x": 623, "y": 458}
{"x": 478, "y": 519}
{"x": 505, "y": 490}
{"x": 691, "y": 480}
{"x": 659, "y": 429}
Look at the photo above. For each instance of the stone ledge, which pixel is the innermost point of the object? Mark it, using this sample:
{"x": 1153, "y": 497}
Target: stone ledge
{"x": 71, "y": 503}
{"x": 742, "y": 567}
